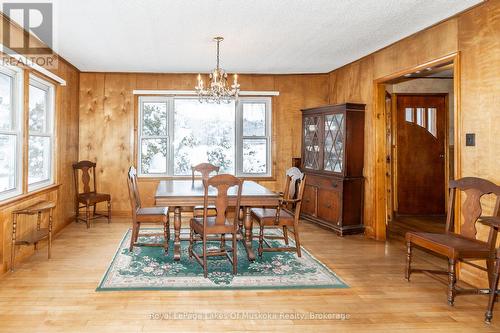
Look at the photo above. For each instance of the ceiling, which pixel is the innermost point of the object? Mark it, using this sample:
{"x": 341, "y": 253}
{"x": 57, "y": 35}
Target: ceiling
{"x": 261, "y": 36}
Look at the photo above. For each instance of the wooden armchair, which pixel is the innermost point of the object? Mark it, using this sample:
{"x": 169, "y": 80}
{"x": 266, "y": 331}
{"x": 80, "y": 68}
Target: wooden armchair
{"x": 286, "y": 215}
{"x": 205, "y": 169}
{"x": 89, "y": 197}
{"x": 219, "y": 224}
{"x": 142, "y": 215}
{"x": 463, "y": 246}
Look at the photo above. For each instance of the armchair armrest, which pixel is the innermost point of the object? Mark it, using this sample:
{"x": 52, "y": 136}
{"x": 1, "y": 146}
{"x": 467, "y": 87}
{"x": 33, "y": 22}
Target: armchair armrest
{"x": 492, "y": 221}
{"x": 290, "y": 201}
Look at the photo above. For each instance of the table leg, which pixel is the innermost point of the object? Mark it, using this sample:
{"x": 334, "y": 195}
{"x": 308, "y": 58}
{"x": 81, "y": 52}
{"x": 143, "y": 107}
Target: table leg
{"x": 177, "y": 233}
{"x": 248, "y": 234}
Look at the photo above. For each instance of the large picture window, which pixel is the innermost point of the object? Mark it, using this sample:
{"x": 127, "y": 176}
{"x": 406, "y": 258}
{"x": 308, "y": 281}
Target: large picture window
{"x": 176, "y": 133}
{"x": 41, "y": 133}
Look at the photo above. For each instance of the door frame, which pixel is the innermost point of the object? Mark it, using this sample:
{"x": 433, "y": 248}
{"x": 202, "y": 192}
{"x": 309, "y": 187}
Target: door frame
{"x": 393, "y": 153}
{"x": 383, "y": 169}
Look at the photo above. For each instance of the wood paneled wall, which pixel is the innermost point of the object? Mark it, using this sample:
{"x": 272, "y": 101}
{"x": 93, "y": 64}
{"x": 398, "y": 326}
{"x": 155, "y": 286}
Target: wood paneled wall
{"x": 108, "y": 109}
{"x": 474, "y": 36}
{"x": 66, "y": 153}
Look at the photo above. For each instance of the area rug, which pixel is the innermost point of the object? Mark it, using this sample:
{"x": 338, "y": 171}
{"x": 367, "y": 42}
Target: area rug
{"x": 148, "y": 268}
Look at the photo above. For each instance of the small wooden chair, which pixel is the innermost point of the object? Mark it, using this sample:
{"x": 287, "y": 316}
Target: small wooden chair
{"x": 463, "y": 246}
{"x": 218, "y": 224}
{"x": 89, "y": 197}
{"x": 205, "y": 169}
{"x": 142, "y": 215}
{"x": 285, "y": 215}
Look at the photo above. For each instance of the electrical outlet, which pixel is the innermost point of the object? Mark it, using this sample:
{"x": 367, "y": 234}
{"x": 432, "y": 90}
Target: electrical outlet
{"x": 470, "y": 139}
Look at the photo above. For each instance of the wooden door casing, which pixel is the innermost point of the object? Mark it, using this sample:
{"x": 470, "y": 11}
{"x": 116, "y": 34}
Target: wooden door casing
{"x": 421, "y": 154}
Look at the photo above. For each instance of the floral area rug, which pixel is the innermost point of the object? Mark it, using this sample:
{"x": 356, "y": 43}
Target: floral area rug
{"x": 148, "y": 268}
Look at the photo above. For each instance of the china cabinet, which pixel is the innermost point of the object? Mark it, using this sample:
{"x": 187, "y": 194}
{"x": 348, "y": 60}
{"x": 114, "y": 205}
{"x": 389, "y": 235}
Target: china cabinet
{"x": 332, "y": 158}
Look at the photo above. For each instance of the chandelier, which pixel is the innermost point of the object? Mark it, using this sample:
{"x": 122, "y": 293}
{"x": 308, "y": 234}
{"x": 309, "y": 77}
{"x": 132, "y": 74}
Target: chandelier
{"x": 217, "y": 91}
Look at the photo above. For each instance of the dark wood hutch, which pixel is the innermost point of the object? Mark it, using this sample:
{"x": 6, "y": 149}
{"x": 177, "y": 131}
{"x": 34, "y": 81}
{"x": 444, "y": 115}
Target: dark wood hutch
{"x": 332, "y": 158}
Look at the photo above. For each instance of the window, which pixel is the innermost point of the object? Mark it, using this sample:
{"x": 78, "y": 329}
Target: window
{"x": 431, "y": 121}
{"x": 41, "y": 133}
{"x": 11, "y": 119}
{"x": 176, "y": 133}
{"x": 409, "y": 115}
{"x": 420, "y": 117}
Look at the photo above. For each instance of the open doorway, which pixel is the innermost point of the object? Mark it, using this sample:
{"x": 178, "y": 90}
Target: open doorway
{"x": 420, "y": 123}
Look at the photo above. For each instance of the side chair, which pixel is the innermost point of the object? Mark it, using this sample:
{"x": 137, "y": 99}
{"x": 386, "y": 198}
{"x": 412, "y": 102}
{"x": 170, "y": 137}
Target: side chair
{"x": 286, "y": 215}
{"x": 89, "y": 197}
{"x": 202, "y": 227}
{"x": 142, "y": 215}
{"x": 206, "y": 169}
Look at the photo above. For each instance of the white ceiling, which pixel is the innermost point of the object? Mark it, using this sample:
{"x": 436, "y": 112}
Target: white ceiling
{"x": 261, "y": 36}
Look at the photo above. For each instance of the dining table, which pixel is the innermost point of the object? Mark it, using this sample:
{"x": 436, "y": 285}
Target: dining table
{"x": 179, "y": 193}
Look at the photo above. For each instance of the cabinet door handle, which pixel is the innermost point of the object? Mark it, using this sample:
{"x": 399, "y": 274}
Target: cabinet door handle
{"x": 329, "y": 206}
{"x": 335, "y": 185}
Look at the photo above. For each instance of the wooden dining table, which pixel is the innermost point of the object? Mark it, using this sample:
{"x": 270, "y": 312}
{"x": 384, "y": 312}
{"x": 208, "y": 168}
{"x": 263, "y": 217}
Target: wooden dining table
{"x": 176, "y": 193}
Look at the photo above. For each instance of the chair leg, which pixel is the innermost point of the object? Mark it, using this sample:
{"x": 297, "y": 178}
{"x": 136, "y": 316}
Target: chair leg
{"x": 451, "y": 281}
{"x": 493, "y": 293}
{"x": 297, "y": 239}
{"x": 132, "y": 236}
{"x": 408, "y": 261}
{"x": 223, "y": 242}
{"x": 165, "y": 235}
{"x": 87, "y": 216}
{"x": 136, "y": 236}
{"x": 285, "y": 234}
{"x": 235, "y": 254}
{"x": 261, "y": 240}
{"x": 109, "y": 211}
{"x": 205, "y": 268}
{"x": 191, "y": 243}
{"x": 77, "y": 211}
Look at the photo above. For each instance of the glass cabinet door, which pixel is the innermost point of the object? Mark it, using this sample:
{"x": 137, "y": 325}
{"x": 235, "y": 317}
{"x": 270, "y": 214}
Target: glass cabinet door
{"x": 312, "y": 142}
{"x": 333, "y": 157}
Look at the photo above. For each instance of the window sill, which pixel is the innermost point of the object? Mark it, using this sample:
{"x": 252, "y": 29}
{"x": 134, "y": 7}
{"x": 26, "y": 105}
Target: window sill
{"x": 29, "y": 195}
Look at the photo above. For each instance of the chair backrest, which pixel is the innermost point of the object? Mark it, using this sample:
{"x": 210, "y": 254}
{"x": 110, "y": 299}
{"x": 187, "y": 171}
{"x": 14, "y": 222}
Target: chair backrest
{"x": 471, "y": 210}
{"x": 88, "y": 179}
{"x": 298, "y": 197}
{"x": 293, "y": 178}
{"x": 205, "y": 169}
{"x": 133, "y": 190}
{"x": 222, "y": 183}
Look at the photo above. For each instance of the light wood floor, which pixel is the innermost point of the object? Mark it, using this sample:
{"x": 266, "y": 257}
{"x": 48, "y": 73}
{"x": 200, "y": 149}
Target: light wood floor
{"x": 58, "y": 295}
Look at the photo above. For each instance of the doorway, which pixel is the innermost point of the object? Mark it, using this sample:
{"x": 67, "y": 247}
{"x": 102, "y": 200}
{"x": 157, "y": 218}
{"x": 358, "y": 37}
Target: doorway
{"x": 420, "y": 115}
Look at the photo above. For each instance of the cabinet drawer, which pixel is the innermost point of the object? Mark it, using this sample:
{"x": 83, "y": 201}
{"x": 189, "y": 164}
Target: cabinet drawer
{"x": 325, "y": 182}
{"x": 329, "y": 205}
{"x": 310, "y": 197}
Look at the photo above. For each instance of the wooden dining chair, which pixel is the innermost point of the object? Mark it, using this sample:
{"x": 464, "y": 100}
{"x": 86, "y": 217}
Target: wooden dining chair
{"x": 89, "y": 197}
{"x": 286, "y": 215}
{"x": 461, "y": 247}
{"x": 141, "y": 215}
{"x": 219, "y": 224}
{"x": 206, "y": 169}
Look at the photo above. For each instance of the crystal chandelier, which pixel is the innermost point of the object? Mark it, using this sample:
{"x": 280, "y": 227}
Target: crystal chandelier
{"x": 218, "y": 90}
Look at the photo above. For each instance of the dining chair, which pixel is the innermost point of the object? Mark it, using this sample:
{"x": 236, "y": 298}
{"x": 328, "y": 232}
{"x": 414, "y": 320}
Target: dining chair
{"x": 219, "y": 224}
{"x": 205, "y": 169}
{"x": 142, "y": 215}
{"x": 463, "y": 246}
{"x": 89, "y": 197}
{"x": 286, "y": 215}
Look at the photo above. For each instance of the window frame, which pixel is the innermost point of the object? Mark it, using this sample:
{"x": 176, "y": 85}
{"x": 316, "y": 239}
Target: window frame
{"x": 49, "y": 132}
{"x": 17, "y": 98}
{"x": 240, "y": 136}
{"x": 170, "y": 135}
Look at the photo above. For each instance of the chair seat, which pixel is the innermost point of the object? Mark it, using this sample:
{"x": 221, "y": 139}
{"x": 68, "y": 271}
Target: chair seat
{"x": 197, "y": 225}
{"x": 451, "y": 245}
{"x": 152, "y": 211}
{"x": 267, "y": 216}
{"x": 92, "y": 197}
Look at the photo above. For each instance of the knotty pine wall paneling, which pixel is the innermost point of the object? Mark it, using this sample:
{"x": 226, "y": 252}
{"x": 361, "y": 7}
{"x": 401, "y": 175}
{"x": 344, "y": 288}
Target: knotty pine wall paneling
{"x": 108, "y": 112}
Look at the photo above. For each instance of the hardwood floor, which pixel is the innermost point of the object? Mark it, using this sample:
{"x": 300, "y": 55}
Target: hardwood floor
{"x": 398, "y": 227}
{"x": 59, "y": 295}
